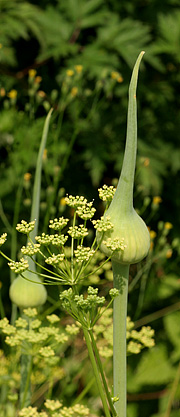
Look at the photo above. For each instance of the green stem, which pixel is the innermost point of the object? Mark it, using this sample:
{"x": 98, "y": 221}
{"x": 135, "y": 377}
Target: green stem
{"x": 37, "y": 179}
{"x": 108, "y": 395}
{"x": 120, "y": 277}
{"x": 172, "y": 393}
{"x": 25, "y": 386}
{"x": 96, "y": 373}
{"x": 14, "y": 242}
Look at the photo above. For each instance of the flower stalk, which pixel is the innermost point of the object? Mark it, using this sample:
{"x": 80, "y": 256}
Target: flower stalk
{"x": 120, "y": 279}
{"x": 131, "y": 229}
{"x": 26, "y": 293}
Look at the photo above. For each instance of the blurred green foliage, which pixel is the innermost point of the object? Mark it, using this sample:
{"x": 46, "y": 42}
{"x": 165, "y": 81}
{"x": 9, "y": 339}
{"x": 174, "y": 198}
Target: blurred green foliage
{"x": 86, "y": 143}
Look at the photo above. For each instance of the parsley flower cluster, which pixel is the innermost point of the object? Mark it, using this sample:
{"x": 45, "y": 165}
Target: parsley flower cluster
{"x": 86, "y": 212}
{"x": 55, "y": 259}
{"x": 115, "y": 244}
{"x": 3, "y": 239}
{"x": 58, "y": 224}
{"x": 30, "y": 249}
{"x": 83, "y": 209}
{"x": 78, "y": 232}
{"x": 75, "y": 202}
{"x": 25, "y": 227}
{"x": 103, "y": 224}
{"x": 136, "y": 340}
{"x": 68, "y": 267}
{"x": 83, "y": 253}
{"x": 19, "y": 267}
{"x": 56, "y": 410}
{"x": 106, "y": 193}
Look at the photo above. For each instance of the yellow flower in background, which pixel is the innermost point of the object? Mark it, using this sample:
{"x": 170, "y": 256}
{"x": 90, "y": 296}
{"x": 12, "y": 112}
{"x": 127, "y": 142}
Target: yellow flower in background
{"x": 1, "y": 46}
{"x": 45, "y": 154}
{"x": 157, "y": 200}
{"x": 120, "y": 79}
{"x": 169, "y": 253}
{"x": 32, "y": 73}
{"x": 2, "y": 92}
{"x": 78, "y": 68}
{"x": 27, "y": 176}
{"x": 115, "y": 75}
{"x": 168, "y": 225}
{"x": 12, "y": 94}
{"x": 74, "y": 91}
{"x": 63, "y": 201}
{"x": 38, "y": 79}
{"x": 152, "y": 234}
{"x": 146, "y": 162}
{"x": 70, "y": 73}
{"x": 41, "y": 93}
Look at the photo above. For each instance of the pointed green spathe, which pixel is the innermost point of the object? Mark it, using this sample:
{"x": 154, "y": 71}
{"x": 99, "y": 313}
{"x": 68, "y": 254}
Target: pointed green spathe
{"x": 127, "y": 223}
{"x": 30, "y": 291}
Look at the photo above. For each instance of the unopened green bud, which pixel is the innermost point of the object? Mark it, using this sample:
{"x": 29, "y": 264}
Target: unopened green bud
{"x": 127, "y": 224}
{"x": 28, "y": 292}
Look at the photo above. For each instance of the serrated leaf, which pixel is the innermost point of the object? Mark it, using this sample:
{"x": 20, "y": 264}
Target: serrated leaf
{"x": 91, "y": 5}
{"x": 127, "y": 37}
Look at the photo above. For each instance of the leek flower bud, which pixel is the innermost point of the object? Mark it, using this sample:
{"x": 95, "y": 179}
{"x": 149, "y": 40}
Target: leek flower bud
{"x": 28, "y": 292}
{"x": 126, "y": 222}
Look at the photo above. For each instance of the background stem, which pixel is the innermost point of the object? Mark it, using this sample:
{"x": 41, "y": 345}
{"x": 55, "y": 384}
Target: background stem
{"x": 96, "y": 373}
{"x": 108, "y": 395}
{"x": 25, "y": 384}
{"x": 120, "y": 277}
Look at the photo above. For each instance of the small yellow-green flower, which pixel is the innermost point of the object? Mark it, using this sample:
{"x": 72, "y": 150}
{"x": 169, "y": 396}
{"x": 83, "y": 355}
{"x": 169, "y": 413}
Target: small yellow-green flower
{"x": 157, "y": 200}
{"x": 74, "y": 91}
{"x": 32, "y": 73}
{"x": 78, "y": 68}
{"x": 12, "y": 94}
{"x": 70, "y": 72}
{"x": 168, "y": 225}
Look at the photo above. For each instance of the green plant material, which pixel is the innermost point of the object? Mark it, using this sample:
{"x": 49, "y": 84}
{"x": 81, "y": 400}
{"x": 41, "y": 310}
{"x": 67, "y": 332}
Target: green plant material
{"x": 25, "y": 292}
{"x": 171, "y": 323}
{"x": 127, "y": 227}
{"x": 37, "y": 180}
{"x": 41, "y": 343}
{"x": 54, "y": 407}
{"x": 156, "y": 358}
{"x": 24, "y": 19}
{"x": 169, "y": 286}
{"x": 127, "y": 224}
{"x": 96, "y": 373}
{"x": 167, "y": 42}
{"x": 172, "y": 393}
{"x": 136, "y": 340}
{"x": 120, "y": 280}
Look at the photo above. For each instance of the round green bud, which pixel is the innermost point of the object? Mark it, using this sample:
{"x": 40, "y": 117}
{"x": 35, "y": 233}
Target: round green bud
{"x": 26, "y": 293}
{"x": 133, "y": 230}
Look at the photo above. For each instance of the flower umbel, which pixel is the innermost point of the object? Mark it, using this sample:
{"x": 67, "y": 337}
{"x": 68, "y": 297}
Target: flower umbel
{"x": 106, "y": 193}
{"x": 25, "y": 227}
{"x": 19, "y": 267}
{"x": 3, "y": 239}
